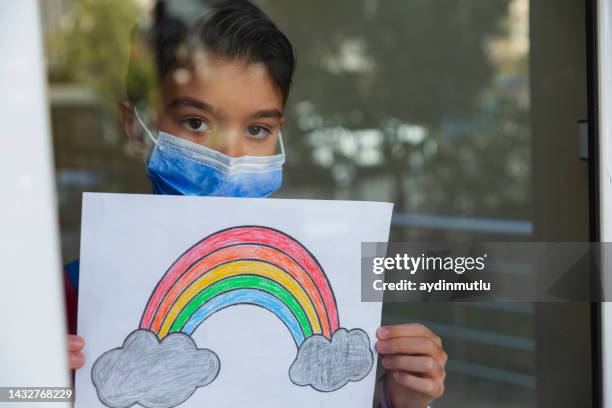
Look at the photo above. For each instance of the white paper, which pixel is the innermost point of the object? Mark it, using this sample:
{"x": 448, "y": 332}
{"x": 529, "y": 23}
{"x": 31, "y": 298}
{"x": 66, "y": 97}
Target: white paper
{"x": 128, "y": 244}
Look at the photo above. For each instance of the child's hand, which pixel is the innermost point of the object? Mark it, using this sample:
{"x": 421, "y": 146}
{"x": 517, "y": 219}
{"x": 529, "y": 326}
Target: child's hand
{"x": 414, "y": 359}
{"x": 76, "y": 359}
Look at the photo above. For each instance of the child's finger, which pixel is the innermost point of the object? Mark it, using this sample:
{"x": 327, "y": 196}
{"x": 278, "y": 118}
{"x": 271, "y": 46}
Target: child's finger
{"x": 75, "y": 343}
{"x": 411, "y": 345}
{"x": 427, "y": 366}
{"x": 76, "y": 359}
{"x": 430, "y": 387}
{"x": 407, "y": 330}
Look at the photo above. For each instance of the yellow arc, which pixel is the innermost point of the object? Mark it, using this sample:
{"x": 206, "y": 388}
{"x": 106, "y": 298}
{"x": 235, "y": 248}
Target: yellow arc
{"x": 242, "y": 267}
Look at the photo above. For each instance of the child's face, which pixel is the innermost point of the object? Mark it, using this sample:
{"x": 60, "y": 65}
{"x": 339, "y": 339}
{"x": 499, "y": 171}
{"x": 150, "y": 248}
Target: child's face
{"x": 222, "y": 104}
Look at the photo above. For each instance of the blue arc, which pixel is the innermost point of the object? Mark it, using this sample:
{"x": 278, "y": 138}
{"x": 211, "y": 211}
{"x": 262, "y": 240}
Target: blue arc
{"x": 246, "y": 296}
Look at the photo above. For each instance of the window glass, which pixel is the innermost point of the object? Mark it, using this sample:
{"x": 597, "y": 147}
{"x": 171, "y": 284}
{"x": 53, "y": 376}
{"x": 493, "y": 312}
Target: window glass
{"x": 427, "y": 104}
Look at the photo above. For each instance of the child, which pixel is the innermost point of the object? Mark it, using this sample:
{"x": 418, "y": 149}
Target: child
{"x": 224, "y": 72}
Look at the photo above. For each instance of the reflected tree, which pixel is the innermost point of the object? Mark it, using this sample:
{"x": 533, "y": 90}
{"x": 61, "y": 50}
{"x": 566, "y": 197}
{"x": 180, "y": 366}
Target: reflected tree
{"x": 383, "y": 64}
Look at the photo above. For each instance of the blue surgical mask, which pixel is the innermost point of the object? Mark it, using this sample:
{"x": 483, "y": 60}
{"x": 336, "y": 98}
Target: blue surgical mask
{"x": 180, "y": 167}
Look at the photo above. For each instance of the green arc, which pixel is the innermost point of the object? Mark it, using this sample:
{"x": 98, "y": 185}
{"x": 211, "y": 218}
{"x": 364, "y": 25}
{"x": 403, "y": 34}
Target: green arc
{"x": 243, "y": 282}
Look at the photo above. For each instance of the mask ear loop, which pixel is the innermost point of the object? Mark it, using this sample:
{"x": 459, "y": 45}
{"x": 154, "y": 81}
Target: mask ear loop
{"x": 280, "y": 140}
{"x": 144, "y": 127}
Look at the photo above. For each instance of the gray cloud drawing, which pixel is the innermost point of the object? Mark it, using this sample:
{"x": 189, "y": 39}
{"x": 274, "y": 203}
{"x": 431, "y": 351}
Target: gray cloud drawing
{"x": 151, "y": 373}
{"x": 329, "y": 365}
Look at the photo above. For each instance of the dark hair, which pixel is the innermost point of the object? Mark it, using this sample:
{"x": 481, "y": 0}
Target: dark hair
{"x": 227, "y": 28}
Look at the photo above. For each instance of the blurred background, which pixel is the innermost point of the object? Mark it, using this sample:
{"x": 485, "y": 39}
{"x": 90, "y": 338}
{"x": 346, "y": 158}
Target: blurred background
{"x": 463, "y": 113}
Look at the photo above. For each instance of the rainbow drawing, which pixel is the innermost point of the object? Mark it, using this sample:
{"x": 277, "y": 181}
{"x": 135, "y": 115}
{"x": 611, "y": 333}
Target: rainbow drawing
{"x": 251, "y": 265}
{"x": 244, "y": 265}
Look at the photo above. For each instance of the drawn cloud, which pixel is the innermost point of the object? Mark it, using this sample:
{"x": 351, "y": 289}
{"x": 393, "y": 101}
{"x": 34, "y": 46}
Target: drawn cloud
{"x": 151, "y": 373}
{"x": 329, "y": 365}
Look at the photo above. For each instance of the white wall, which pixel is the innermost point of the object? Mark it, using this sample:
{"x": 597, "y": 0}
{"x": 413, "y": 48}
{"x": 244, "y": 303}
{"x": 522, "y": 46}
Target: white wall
{"x": 32, "y": 333}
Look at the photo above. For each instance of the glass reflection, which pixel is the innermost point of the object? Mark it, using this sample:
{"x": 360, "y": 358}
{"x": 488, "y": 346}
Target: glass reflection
{"x": 421, "y": 103}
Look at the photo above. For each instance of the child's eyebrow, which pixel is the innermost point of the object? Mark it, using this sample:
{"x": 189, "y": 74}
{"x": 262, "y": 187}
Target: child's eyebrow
{"x": 187, "y": 101}
{"x": 268, "y": 113}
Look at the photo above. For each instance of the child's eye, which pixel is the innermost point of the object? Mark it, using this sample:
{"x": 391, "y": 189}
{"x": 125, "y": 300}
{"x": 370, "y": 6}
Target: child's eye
{"x": 195, "y": 125}
{"x": 257, "y": 132}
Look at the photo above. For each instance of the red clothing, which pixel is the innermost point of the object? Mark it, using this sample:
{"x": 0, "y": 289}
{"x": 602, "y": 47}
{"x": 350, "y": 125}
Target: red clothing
{"x": 72, "y": 302}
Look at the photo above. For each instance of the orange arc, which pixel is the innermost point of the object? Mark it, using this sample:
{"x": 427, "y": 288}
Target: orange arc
{"x": 241, "y": 252}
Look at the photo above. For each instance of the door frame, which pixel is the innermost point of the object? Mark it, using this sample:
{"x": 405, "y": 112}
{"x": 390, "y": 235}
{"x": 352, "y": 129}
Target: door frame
{"x": 600, "y": 131}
